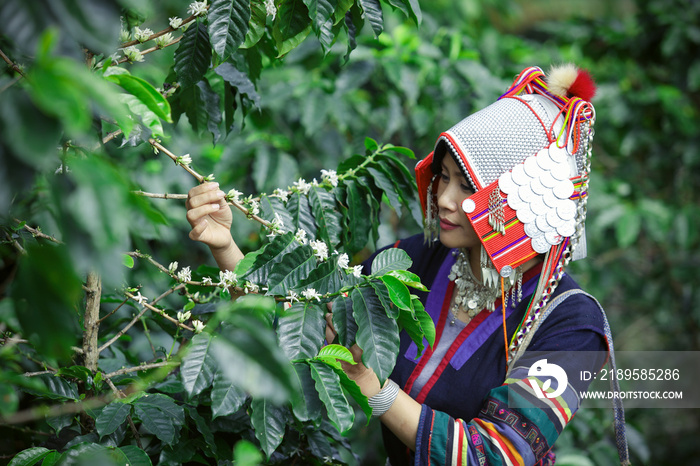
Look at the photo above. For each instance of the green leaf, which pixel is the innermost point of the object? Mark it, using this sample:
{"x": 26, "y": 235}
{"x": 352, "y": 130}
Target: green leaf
{"x": 29, "y": 456}
{"x": 203, "y": 428}
{"x": 293, "y": 268}
{"x": 389, "y": 189}
{"x": 249, "y": 356}
{"x": 326, "y": 278}
{"x": 193, "y": 55}
{"x": 410, "y": 8}
{"x": 300, "y": 210}
{"x": 399, "y": 150}
{"x": 160, "y": 415}
{"x": 391, "y": 259}
{"x": 291, "y": 25}
{"x": 256, "y": 25}
{"x": 57, "y": 423}
{"x": 248, "y": 261}
{"x": 210, "y": 104}
{"x": 111, "y": 417}
{"x": 301, "y": 330}
{"x": 273, "y": 253}
{"x": 351, "y": 387}
{"x": 377, "y": 334}
{"x": 398, "y": 292}
{"x": 239, "y": 81}
{"x": 343, "y": 321}
{"x": 226, "y": 398}
{"x": 370, "y": 144}
{"x": 269, "y": 422}
{"x": 373, "y": 13}
{"x": 426, "y": 322}
{"x": 144, "y": 92}
{"x": 51, "y": 459}
{"x": 328, "y": 386}
{"x": 408, "y": 279}
{"x": 359, "y": 222}
{"x": 228, "y": 25}
{"x": 246, "y": 454}
{"x": 198, "y": 365}
{"x": 135, "y": 455}
{"x": 67, "y": 91}
{"x": 336, "y": 352}
{"x": 149, "y": 119}
{"x": 128, "y": 261}
{"x": 326, "y": 213}
{"x": 383, "y": 294}
{"x": 309, "y": 407}
{"x": 269, "y": 206}
{"x": 55, "y": 387}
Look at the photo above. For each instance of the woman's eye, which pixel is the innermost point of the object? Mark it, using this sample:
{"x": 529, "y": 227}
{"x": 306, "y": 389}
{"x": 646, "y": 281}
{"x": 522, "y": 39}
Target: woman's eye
{"x": 466, "y": 188}
{"x": 444, "y": 177}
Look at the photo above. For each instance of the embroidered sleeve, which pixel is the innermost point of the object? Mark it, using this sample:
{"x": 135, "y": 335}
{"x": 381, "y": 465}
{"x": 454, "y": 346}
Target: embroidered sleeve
{"x": 518, "y": 422}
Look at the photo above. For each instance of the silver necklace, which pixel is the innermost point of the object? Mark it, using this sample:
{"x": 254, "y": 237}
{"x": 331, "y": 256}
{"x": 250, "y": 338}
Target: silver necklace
{"x": 471, "y": 295}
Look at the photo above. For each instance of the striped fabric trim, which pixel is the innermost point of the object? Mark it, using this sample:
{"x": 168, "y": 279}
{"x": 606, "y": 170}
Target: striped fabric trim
{"x": 509, "y": 455}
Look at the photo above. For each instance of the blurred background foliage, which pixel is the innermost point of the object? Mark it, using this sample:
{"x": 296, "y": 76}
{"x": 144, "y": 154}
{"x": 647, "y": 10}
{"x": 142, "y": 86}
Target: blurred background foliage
{"x": 405, "y": 87}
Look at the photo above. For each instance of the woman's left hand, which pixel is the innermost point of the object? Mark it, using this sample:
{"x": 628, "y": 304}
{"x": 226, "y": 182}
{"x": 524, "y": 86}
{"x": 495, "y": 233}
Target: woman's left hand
{"x": 363, "y": 376}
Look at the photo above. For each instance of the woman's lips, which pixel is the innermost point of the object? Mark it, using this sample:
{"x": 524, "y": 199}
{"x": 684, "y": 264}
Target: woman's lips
{"x": 447, "y": 225}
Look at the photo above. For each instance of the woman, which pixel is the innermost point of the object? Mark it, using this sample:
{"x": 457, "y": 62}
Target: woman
{"x": 505, "y": 190}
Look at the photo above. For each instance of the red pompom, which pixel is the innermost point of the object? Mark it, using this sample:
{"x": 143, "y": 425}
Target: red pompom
{"x": 583, "y": 86}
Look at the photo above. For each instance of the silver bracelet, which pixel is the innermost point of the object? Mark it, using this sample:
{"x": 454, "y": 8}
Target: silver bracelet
{"x": 382, "y": 401}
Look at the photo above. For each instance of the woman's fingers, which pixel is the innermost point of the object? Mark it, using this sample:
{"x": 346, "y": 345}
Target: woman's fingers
{"x": 199, "y": 228}
{"x": 202, "y": 194}
{"x": 195, "y": 215}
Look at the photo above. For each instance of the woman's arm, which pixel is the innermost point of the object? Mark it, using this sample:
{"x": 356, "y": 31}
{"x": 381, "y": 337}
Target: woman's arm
{"x": 210, "y": 217}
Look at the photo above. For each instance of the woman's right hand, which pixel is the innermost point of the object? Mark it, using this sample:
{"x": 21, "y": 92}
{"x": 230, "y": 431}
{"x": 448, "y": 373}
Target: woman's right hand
{"x": 210, "y": 216}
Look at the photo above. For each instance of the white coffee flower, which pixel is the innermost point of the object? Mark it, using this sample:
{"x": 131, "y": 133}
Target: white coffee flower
{"x": 164, "y": 40}
{"x": 172, "y": 268}
{"x": 250, "y": 288}
{"x": 254, "y": 207}
{"x": 142, "y": 35}
{"x": 235, "y": 195}
{"x": 124, "y": 35}
{"x": 209, "y": 177}
{"x": 114, "y": 58}
{"x": 140, "y": 299}
{"x": 133, "y": 54}
{"x": 343, "y": 261}
{"x": 300, "y": 236}
{"x": 175, "y": 22}
{"x": 197, "y": 8}
{"x": 184, "y": 275}
{"x": 227, "y": 278}
{"x": 320, "y": 250}
{"x": 198, "y": 326}
{"x": 184, "y": 160}
{"x": 311, "y": 293}
{"x": 330, "y": 176}
{"x": 270, "y": 8}
{"x": 183, "y": 316}
{"x": 356, "y": 271}
{"x": 282, "y": 194}
{"x": 302, "y": 186}
{"x": 207, "y": 281}
{"x": 292, "y": 296}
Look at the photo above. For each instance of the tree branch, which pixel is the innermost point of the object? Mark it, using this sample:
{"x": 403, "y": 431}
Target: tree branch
{"x": 161, "y": 312}
{"x": 135, "y": 319}
{"x": 142, "y": 367}
{"x": 91, "y": 321}
{"x": 160, "y": 196}
{"x": 159, "y": 33}
{"x": 12, "y": 64}
{"x": 152, "y": 49}
{"x": 41, "y": 412}
{"x": 201, "y": 179}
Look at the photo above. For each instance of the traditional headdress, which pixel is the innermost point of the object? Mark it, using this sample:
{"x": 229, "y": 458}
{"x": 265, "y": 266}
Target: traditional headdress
{"x": 527, "y": 157}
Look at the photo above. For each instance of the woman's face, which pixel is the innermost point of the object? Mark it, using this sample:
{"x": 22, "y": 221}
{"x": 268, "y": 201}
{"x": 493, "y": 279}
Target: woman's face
{"x": 455, "y": 229}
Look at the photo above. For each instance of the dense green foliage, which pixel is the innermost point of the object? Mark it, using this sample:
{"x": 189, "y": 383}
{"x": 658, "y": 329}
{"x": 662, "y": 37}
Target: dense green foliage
{"x": 260, "y": 102}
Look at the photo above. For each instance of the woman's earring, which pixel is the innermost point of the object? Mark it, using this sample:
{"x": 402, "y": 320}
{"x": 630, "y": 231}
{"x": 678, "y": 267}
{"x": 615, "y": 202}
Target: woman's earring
{"x": 431, "y": 224}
